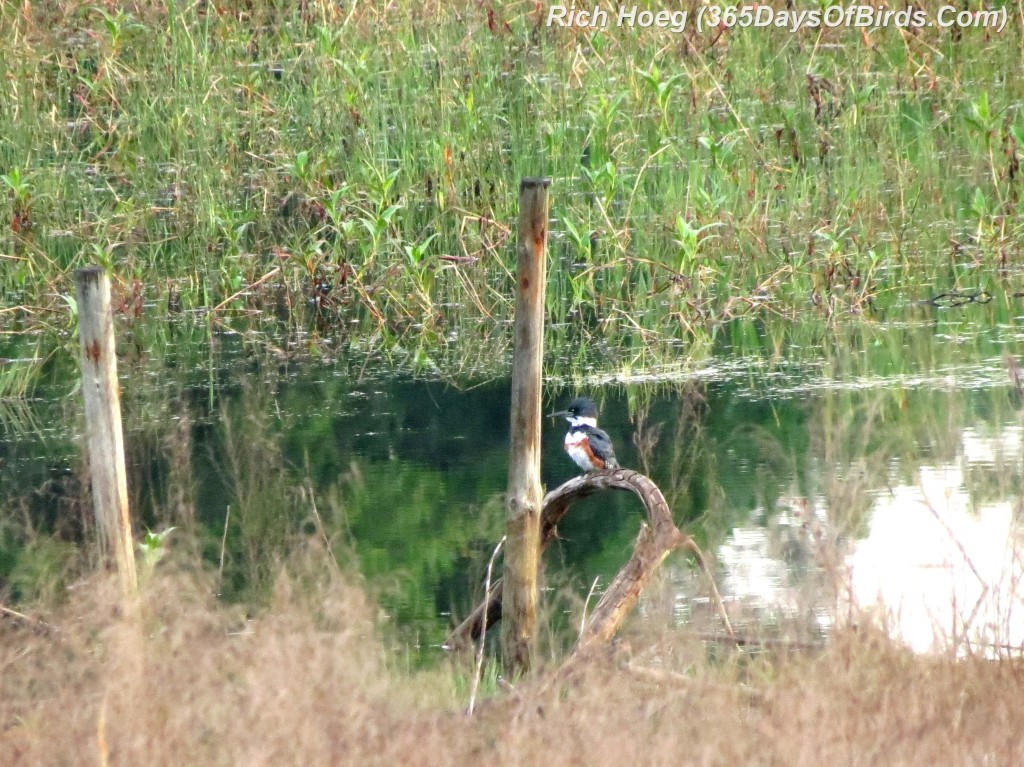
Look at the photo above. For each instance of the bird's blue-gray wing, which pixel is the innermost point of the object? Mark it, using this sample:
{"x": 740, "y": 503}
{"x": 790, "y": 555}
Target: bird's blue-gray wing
{"x": 601, "y": 443}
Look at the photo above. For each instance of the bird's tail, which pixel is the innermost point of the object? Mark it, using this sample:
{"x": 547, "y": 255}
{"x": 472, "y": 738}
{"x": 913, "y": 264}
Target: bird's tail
{"x": 611, "y": 463}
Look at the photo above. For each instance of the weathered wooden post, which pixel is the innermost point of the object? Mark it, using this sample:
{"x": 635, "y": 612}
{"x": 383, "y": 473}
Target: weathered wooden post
{"x": 523, "y": 501}
{"x": 103, "y": 422}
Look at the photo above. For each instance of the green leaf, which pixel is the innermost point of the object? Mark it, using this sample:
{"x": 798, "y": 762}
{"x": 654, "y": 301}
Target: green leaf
{"x": 389, "y": 213}
{"x": 72, "y": 304}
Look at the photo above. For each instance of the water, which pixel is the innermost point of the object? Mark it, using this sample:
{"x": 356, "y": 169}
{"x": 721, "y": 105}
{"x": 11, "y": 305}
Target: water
{"x": 881, "y": 471}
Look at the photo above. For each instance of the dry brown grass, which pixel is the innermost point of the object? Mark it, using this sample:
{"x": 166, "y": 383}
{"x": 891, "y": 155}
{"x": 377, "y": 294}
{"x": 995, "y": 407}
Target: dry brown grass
{"x": 309, "y": 682}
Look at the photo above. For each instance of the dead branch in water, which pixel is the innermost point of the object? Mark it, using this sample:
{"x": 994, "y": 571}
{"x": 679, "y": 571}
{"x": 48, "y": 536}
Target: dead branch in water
{"x": 658, "y": 537}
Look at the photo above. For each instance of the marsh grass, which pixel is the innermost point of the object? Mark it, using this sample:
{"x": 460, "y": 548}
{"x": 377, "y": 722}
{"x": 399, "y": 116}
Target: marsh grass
{"x": 372, "y": 156}
{"x": 309, "y": 682}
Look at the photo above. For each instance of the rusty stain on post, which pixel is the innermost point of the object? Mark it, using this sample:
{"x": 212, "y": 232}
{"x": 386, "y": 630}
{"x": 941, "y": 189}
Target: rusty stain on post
{"x": 523, "y": 500}
{"x": 104, "y": 436}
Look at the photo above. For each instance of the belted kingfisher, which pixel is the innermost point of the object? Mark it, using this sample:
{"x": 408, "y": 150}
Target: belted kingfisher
{"x": 588, "y": 446}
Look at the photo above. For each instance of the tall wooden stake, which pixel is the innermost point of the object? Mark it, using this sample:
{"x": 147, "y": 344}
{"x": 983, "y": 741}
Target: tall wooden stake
{"x": 103, "y": 422}
{"x": 523, "y": 501}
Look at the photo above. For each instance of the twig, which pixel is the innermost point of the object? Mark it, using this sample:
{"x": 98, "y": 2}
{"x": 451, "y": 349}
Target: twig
{"x": 640, "y": 175}
{"x": 508, "y": 687}
{"x": 659, "y": 676}
{"x": 223, "y": 545}
{"x": 34, "y": 623}
{"x": 102, "y": 745}
{"x": 967, "y": 559}
{"x": 1016, "y": 374}
{"x": 766, "y": 643}
{"x": 583, "y": 620}
{"x": 237, "y": 293}
{"x": 483, "y": 634}
{"x": 699, "y": 556}
{"x": 320, "y": 529}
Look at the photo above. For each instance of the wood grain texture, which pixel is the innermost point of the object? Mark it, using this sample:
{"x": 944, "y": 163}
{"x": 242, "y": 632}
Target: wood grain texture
{"x": 523, "y": 499}
{"x": 105, "y": 440}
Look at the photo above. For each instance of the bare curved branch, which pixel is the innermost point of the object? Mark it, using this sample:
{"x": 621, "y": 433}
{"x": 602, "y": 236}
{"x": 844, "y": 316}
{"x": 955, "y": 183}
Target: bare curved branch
{"x": 657, "y": 538}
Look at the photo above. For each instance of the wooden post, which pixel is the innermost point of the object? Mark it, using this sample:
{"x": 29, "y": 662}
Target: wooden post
{"x": 103, "y": 422}
{"x": 523, "y": 501}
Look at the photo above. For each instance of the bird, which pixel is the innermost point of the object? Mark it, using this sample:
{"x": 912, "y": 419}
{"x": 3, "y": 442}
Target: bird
{"x": 588, "y": 446}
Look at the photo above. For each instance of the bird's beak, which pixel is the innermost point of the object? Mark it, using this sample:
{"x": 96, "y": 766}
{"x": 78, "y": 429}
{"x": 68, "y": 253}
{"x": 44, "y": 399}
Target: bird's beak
{"x": 559, "y": 414}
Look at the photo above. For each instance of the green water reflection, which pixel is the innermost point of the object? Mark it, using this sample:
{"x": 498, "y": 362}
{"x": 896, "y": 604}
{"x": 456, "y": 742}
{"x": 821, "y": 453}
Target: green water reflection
{"x": 766, "y": 457}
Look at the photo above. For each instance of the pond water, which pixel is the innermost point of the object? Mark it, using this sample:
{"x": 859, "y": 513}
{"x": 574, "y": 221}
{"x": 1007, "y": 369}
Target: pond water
{"x": 880, "y": 470}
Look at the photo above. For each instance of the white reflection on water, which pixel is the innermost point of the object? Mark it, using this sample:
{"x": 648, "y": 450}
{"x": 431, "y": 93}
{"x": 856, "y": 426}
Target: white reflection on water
{"x": 945, "y": 571}
{"x": 942, "y": 571}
